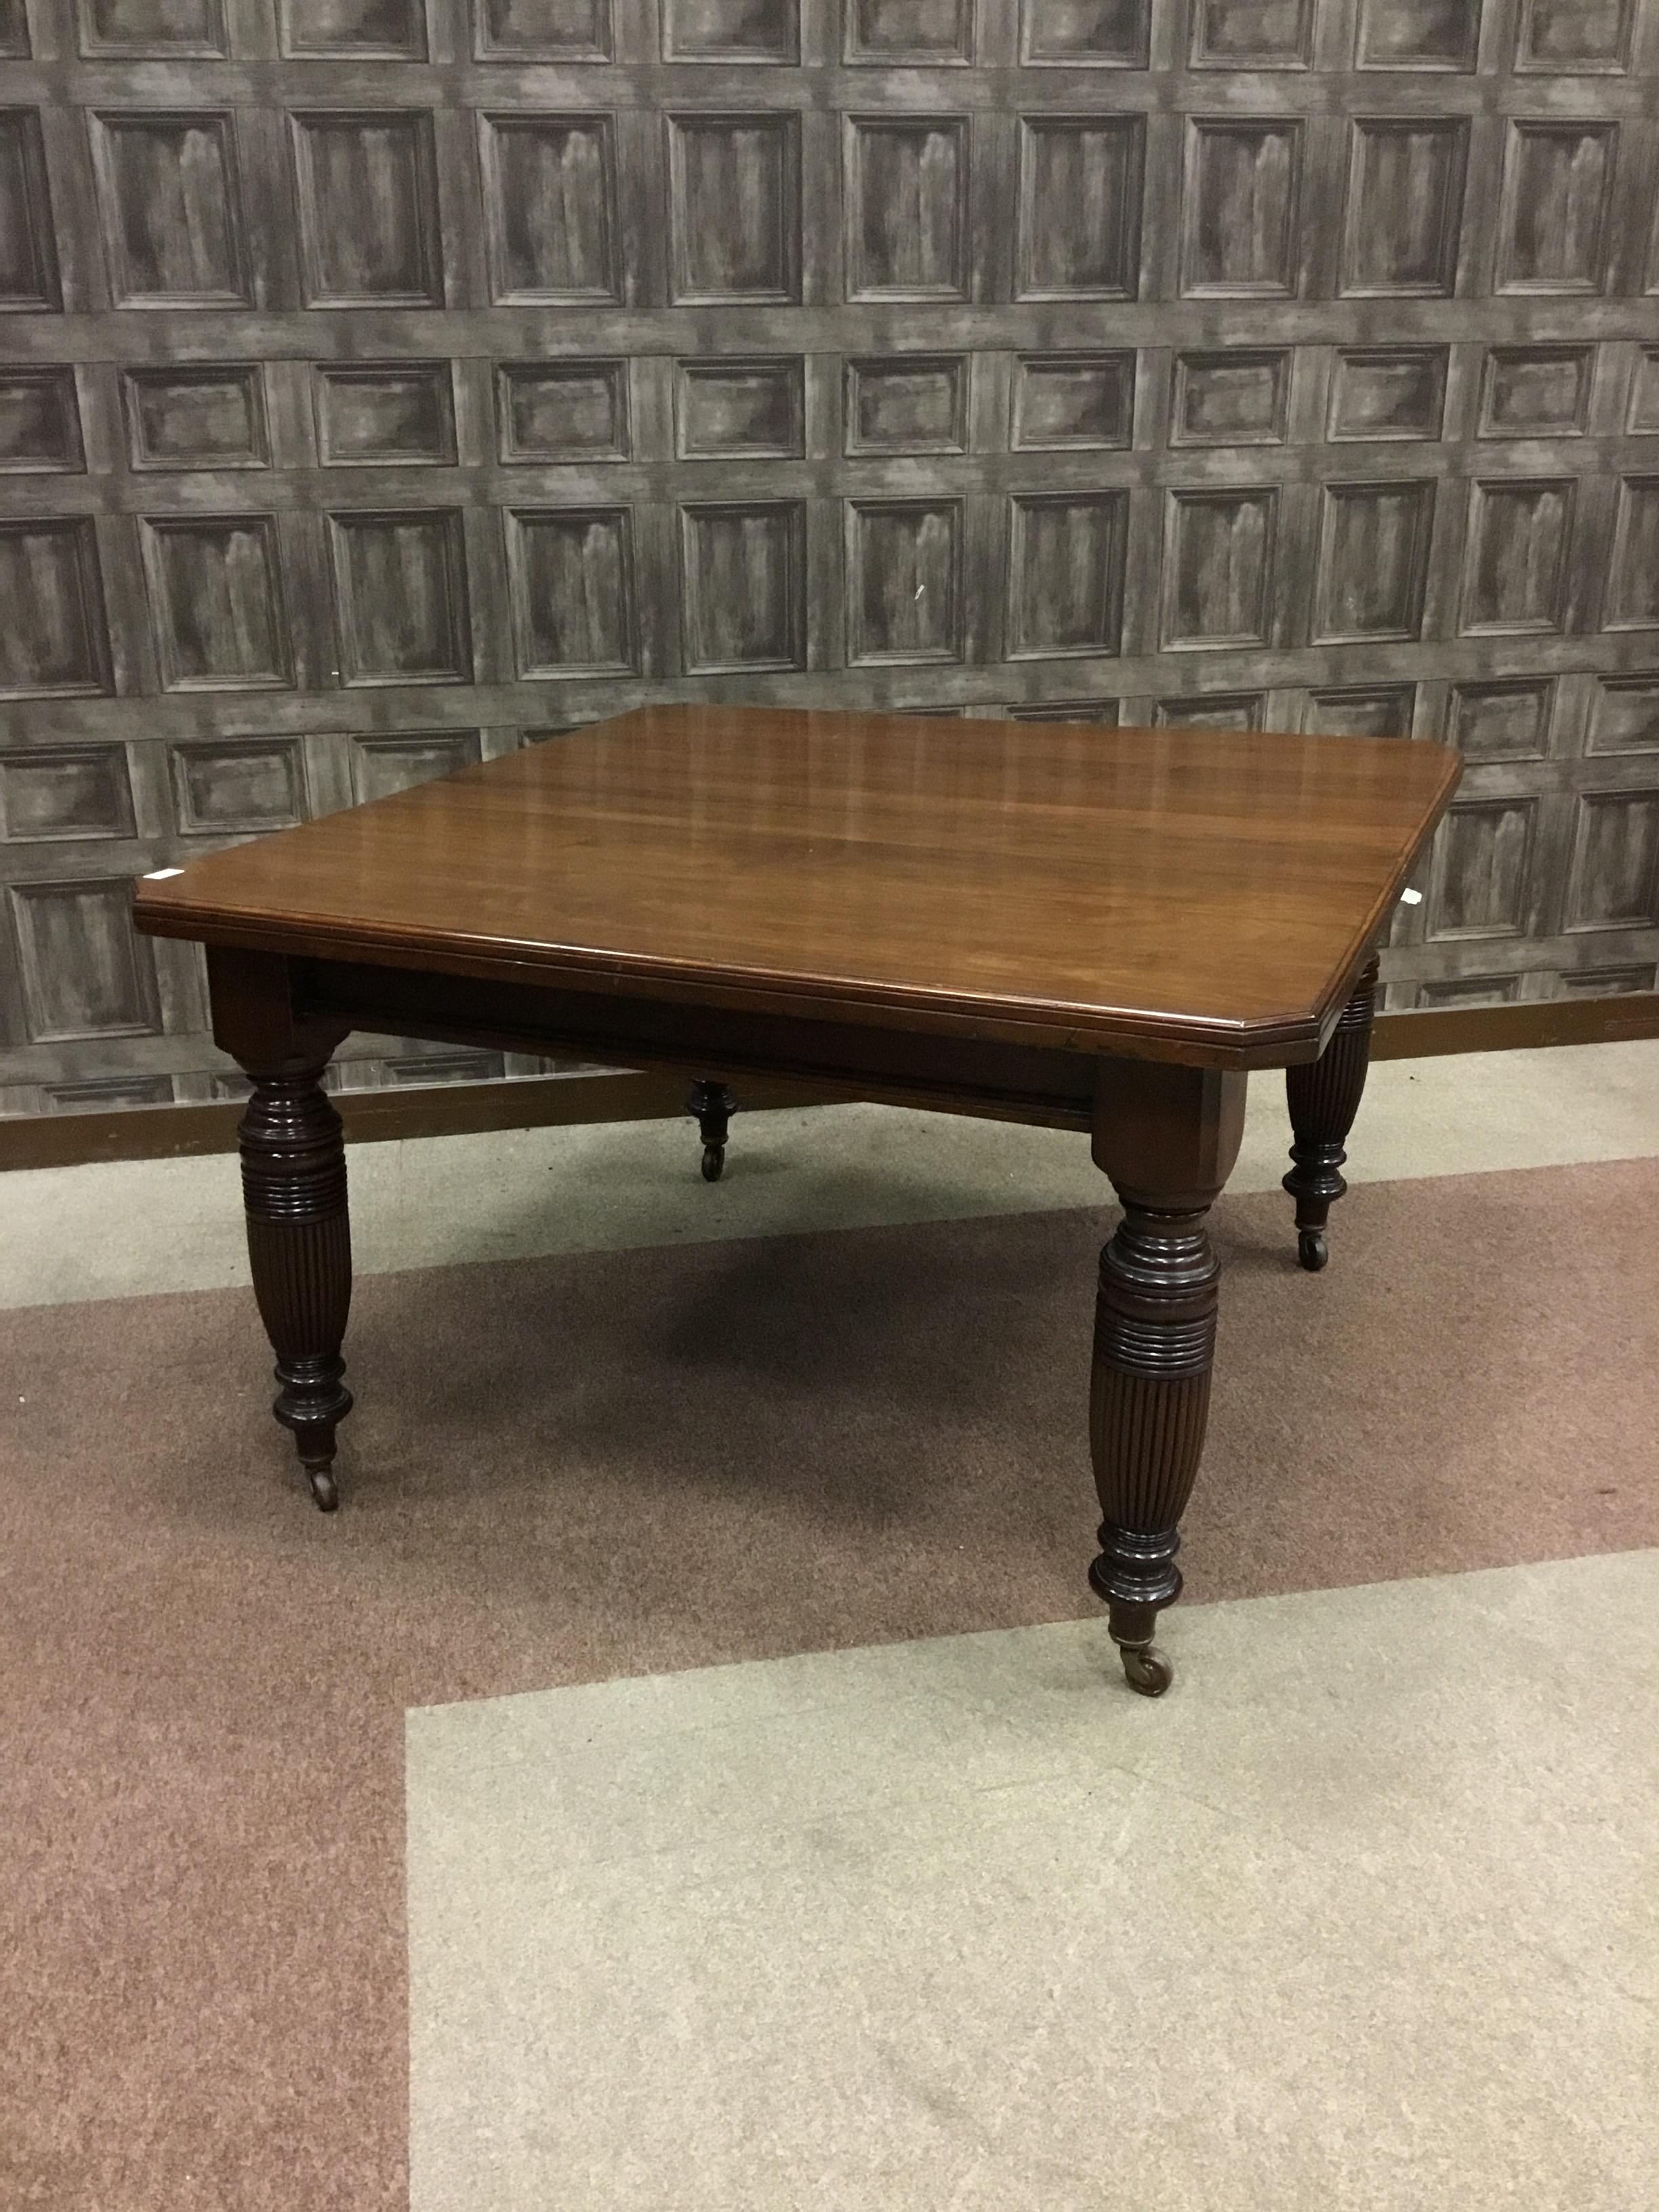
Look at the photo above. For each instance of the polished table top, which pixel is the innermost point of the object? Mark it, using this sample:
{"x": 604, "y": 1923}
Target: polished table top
{"x": 1078, "y": 886}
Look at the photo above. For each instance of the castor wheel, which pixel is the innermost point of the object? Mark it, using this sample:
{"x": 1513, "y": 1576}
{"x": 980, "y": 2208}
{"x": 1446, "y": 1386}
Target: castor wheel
{"x": 1147, "y": 1668}
{"x": 1311, "y": 1249}
{"x": 323, "y": 1489}
{"x": 714, "y": 1159}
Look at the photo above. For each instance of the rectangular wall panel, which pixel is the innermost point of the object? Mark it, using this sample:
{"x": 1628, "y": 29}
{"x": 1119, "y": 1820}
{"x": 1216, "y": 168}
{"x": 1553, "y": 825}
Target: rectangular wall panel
{"x": 1218, "y": 568}
{"x": 1405, "y": 206}
{"x": 1061, "y": 400}
{"x": 1574, "y": 36}
{"x": 1625, "y": 716}
{"x": 85, "y": 972}
{"x": 1086, "y": 34}
{"x": 217, "y": 609}
{"x": 907, "y": 207}
{"x": 912, "y": 31}
{"x": 551, "y": 207}
{"x": 730, "y": 30}
{"x": 575, "y": 410}
{"x": 1553, "y": 222}
{"x": 198, "y": 418}
{"x": 1065, "y": 575}
{"x": 237, "y": 787}
{"x": 1213, "y": 710}
{"x": 1253, "y": 34}
{"x": 1372, "y": 571}
{"x": 1634, "y": 580}
{"x": 54, "y": 639}
{"x": 77, "y": 792}
{"x": 905, "y": 580}
{"x": 1642, "y": 412}
{"x": 381, "y": 766}
{"x": 734, "y": 208}
{"x": 1479, "y": 882}
{"x": 1079, "y": 207}
{"x": 41, "y": 422}
{"x": 1614, "y": 879}
{"x": 1537, "y": 391}
{"x": 1242, "y": 236}
{"x": 543, "y": 30}
{"x": 571, "y": 574}
{"x": 169, "y": 195}
{"x": 1388, "y": 392}
{"x": 28, "y": 243}
{"x": 1515, "y": 573}
{"x": 743, "y": 586}
{"x": 1502, "y": 721}
{"x": 144, "y": 30}
{"x": 387, "y": 384}
{"x": 381, "y": 413}
{"x": 364, "y": 30}
{"x": 1383, "y": 711}
{"x": 1233, "y": 398}
{"x": 367, "y": 191}
{"x": 400, "y": 597}
{"x": 731, "y": 408}
{"x": 1419, "y": 34}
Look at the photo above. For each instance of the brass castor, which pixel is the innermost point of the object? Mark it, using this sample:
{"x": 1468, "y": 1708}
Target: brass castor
{"x": 1147, "y": 1668}
{"x": 324, "y": 1488}
{"x": 1311, "y": 1249}
{"x": 714, "y": 1159}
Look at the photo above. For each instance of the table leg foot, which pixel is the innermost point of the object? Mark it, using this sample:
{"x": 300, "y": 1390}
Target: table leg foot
{"x": 1131, "y": 1621}
{"x": 312, "y": 1400}
{"x": 1324, "y": 1097}
{"x": 299, "y": 1239}
{"x": 711, "y": 1105}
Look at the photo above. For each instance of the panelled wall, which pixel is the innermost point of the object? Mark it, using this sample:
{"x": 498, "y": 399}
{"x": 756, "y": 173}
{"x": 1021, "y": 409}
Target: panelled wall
{"x": 384, "y": 383}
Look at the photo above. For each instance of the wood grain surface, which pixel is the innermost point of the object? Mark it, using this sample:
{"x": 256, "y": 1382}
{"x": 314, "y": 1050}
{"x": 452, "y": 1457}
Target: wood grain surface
{"x": 1198, "y": 889}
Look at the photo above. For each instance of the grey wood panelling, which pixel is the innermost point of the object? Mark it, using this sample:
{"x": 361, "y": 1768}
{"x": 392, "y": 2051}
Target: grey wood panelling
{"x": 385, "y": 384}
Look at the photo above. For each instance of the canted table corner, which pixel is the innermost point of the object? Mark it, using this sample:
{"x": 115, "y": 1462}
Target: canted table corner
{"x": 1050, "y": 923}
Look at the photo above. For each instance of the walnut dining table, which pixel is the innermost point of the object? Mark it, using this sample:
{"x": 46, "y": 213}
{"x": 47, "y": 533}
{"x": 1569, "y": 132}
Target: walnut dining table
{"x": 1088, "y": 929}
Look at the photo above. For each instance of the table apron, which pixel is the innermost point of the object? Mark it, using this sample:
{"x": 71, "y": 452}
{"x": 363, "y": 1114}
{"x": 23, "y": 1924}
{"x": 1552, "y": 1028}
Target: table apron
{"x": 1040, "y": 1084}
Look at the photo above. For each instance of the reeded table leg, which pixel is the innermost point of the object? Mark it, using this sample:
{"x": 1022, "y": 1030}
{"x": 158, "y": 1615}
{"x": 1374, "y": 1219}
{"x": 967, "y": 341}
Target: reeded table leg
{"x": 1168, "y": 1138}
{"x": 299, "y": 1242}
{"x": 1324, "y": 1097}
{"x": 711, "y": 1105}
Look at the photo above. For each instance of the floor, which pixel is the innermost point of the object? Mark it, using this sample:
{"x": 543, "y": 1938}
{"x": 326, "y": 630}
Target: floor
{"x": 1366, "y": 1919}
{"x": 436, "y": 1202}
{"x": 749, "y": 1814}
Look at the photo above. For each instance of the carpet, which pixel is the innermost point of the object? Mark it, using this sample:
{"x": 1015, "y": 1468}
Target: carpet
{"x": 571, "y": 1468}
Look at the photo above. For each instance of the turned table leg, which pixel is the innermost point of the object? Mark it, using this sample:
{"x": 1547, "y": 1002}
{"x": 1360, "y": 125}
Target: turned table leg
{"x": 711, "y": 1105}
{"x": 1168, "y": 1138}
{"x": 299, "y": 1242}
{"x": 1324, "y": 1097}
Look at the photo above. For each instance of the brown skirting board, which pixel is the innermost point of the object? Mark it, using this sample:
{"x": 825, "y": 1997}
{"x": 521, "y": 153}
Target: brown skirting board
{"x": 537, "y": 1102}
